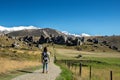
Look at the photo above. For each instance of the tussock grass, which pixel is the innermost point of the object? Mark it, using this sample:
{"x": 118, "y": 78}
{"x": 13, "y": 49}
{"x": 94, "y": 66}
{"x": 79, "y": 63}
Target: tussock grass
{"x": 12, "y": 59}
{"x": 16, "y": 54}
{"x": 15, "y": 73}
{"x": 7, "y": 65}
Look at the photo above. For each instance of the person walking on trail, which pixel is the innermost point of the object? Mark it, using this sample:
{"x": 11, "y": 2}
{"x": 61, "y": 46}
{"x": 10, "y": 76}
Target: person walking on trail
{"x": 45, "y": 59}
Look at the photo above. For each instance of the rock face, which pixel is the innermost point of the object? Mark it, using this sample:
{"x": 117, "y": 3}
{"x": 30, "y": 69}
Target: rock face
{"x": 47, "y": 35}
{"x": 27, "y": 39}
{"x": 62, "y": 40}
{"x": 42, "y": 40}
{"x": 74, "y": 41}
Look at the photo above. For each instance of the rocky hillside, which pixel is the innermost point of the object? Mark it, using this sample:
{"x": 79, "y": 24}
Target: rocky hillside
{"x": 45, "y": 35}
{"x": 7, "y": 42}
{"x": 48, "y": 35}
{"x": 113, "y": 42}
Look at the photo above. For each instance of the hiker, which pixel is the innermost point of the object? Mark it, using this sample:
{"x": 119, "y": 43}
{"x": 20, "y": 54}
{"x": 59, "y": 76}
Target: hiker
{"x": 45, "y": 59}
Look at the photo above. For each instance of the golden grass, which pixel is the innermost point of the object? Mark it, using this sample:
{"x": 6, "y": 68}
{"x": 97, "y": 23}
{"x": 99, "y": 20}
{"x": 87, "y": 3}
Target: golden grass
{"x": 104, "y": 74}
{"x": 84, "y": 74}
{"x": 67, "y": 52}
{"x": 25, "y": 51}
{"x": 10, "y": 65}
{"x": 6, "y": 64}
{"x": 97, "y": 74}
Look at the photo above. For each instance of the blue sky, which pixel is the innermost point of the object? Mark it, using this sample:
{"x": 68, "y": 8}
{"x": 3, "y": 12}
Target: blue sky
{"x": 95, "y": 17}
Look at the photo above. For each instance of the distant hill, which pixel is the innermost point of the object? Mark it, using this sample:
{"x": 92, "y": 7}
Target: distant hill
{"x": 36, "y": 32}
{"x": 113, "y": 42}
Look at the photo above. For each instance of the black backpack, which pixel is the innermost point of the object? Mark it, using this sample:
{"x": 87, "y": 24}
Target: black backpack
{"x": 45, "y": 56}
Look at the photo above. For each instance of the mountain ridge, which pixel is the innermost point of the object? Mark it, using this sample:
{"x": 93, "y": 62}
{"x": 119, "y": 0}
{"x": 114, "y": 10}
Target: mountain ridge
{"x": 5, "y": 30}
{"x": 36, "y": 32}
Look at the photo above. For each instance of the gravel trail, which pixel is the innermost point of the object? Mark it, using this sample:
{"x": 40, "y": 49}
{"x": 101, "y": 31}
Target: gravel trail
{"x": 54, "y": 71}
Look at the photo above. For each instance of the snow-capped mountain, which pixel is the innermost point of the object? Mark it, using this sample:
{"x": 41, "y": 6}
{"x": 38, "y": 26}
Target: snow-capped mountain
{"x": 84, "y": 34}
{"x": 2, "y": 28}
{"x": 76, "y": 35}
{"x": 6, "y": 30}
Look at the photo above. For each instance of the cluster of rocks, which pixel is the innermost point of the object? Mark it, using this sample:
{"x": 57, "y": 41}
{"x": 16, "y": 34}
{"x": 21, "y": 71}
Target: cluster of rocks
{"x": 61, "y": 39}
{"x": 94, "y": 40}
{"x": 104, "y": 42}
{"x": 27, "y": 39}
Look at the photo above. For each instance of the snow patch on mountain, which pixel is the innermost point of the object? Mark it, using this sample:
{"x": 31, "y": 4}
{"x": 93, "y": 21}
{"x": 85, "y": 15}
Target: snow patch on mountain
{"x": 76, "y": 35}
{"x": 2, "y": 28}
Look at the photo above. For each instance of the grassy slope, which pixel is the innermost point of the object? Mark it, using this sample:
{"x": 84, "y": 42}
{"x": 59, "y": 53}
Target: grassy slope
{"x": 13, "y": 60}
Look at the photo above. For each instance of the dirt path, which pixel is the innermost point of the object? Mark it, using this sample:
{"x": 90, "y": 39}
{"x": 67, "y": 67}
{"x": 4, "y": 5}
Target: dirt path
{"x": 54, "y": 71}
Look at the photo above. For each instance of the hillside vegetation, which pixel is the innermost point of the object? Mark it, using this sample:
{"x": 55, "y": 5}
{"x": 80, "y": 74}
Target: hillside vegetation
{"x": 14, "y": 58}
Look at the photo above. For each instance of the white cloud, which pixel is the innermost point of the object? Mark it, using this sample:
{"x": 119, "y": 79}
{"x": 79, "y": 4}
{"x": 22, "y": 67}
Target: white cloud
{"x": 67, "y": 33}
{"x": 84, "y": 34}
{"x": 2, "y": 28}
{"x": 76, "y": 35}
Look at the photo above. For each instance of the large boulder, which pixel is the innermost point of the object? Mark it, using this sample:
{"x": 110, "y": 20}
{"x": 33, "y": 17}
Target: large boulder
{"x": 71, "y": 41}
{"x": 15, "y": 45}
{"x": 79, "y": 41}
{"x": 89, "y": 40}
{"x": 95, "y": 41}
{"x": 105, "y": 42}
{"x": 82, "y": 39}
{"x": 61, "y": 39}
{"x": 27, "y": 39}
{"x": 48, "y": 40}
{"x": 30, "y": 39}
{"x": 113, "y": 47}
{"x": 42, "y": 40}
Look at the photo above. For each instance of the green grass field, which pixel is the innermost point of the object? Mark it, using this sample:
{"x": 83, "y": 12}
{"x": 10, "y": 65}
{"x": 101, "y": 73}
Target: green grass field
{"x": 101, "y": 62}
